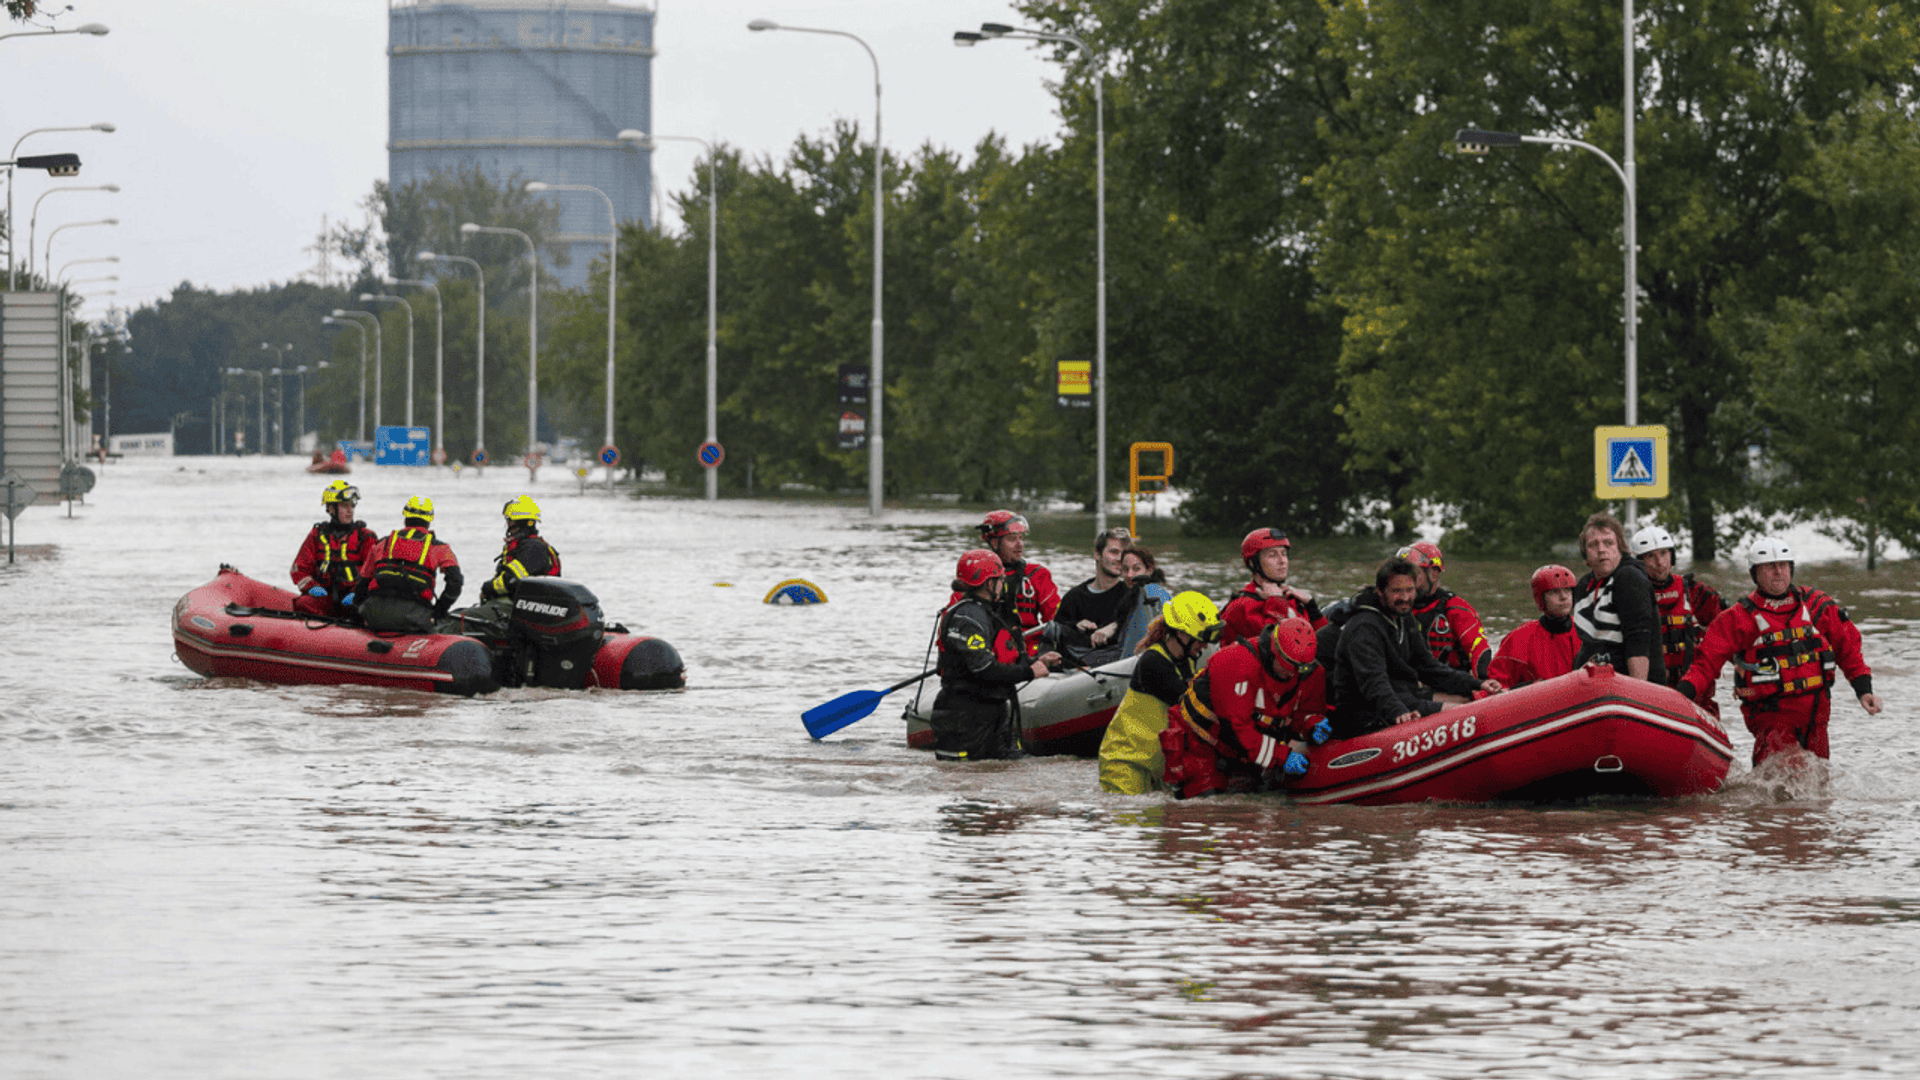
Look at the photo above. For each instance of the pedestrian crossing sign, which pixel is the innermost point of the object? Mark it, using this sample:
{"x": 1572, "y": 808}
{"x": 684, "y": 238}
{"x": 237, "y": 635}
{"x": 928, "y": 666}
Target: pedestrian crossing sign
{"x": 1630, "y": 462}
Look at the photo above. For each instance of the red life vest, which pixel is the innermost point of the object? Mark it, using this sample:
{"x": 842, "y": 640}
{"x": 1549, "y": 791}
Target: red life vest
{"x": 1789, "y": 656}
{"x": 1681, "y": 622}
{"x": 403, "y": 568}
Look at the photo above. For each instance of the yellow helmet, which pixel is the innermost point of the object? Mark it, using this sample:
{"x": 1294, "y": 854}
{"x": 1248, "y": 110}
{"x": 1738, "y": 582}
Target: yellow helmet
{"x": 522, "y": 510}
{"x": 1194, "y": 615}
{"x": 419, "y": 507}
{"x": 340, "y": 492}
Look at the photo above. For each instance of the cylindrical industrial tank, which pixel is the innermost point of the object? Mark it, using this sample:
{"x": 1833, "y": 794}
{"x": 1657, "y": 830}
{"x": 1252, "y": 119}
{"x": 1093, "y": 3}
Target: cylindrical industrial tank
{"x": 524, "y": 86}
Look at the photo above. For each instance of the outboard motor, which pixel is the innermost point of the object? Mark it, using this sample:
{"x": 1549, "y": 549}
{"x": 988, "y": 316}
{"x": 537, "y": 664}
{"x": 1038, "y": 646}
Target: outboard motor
{"x": 555, "y": 631}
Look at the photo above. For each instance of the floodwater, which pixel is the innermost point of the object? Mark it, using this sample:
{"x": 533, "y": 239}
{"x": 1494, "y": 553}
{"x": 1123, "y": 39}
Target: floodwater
{"x": 224, "y": 879}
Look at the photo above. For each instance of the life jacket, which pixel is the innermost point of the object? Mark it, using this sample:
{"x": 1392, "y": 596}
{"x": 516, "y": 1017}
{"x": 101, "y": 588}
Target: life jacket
{"x": 402, "y": 569}
{"x": 1008, "y": 646}
{"x": 1026, "y": 598}
{"x": 1788, "y": 657}
{"x": 1442, "y": 641}
{"x": 509, "y": 568}
{"x": 1680, "y": 628}
{"x": 1195, "y": 707}
{"x": 1140, "y": 710}
{"x": 341, "y": 554}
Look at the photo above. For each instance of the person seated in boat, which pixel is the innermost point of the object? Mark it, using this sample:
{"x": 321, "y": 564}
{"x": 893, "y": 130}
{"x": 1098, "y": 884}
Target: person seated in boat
{"x": 1613, "y": 607}
{"x": 1381, "y": 659}
{"x": 327, "y": 566}
{"x": 1132, "y": 761}
{"x": 1543, "y": 648}
{"x": 1030, "y": 597}
{"x": 525, "y": 554}
{"x": 982, "y": 664}
{"x": 1150, "y": 595}
{"x": 395, "y": 591}
{"x": 1785, "y": 641}
{"x": 1245, "y": 723}
{"x": 1454, "y": 634}
{"x": 1687, "y": 607}
{"x": 1267, "y": 599}
{"x": 1086, "y": 626}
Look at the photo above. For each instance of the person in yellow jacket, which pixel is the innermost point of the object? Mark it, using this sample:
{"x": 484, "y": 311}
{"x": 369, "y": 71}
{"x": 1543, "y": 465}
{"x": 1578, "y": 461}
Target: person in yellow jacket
{"x": 1131, "y": 761}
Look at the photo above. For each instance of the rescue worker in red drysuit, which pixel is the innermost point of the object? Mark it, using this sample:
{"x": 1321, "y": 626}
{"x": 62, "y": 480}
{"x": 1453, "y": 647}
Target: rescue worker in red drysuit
{"x": 395, "y": 592}
{"x": 525, "y": 554}
{"x": 1454, "y": 634}
{"x": 1030, "y": 596}
{"x": 1543, "y": 648}
{"x": 328, "y": 564}
{"x": 1246, "y": 720}
{"x": 1267, "y": 599}
{"x": 1687, "y": 607}
{"x": 982, "y": 663}
{"x": 1785, "y": 642}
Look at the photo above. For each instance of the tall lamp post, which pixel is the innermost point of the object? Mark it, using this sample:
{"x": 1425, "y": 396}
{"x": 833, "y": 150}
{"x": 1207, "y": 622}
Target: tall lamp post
{"x": 263, "y": 400}
{"x": 379, "y": 373}
{"x": 280, "y": 395}
{"x": 301, "y": 371}
{"x": 439, "y": 363}
{"x": 480, "y": 360}
{"x": 93, "y": 28}
{"x": 713, "y": 288}
{"x": 70, "y": 225}
{"x": 360, "y": 430}
{"x": 372, "y": 298}
{"x": 876, "y": 449}
{"x": 71, "y": 263}
{"x": 993, "y": 31}
{"x": 533, "y": 329}
{"x": 613, "y": 264}
{"x": 12, "y": 240}
{"x": 33, "y": 220}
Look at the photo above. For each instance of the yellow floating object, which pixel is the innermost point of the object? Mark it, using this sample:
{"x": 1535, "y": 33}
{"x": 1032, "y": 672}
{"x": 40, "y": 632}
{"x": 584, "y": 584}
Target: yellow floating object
{"x": 723, "y": 584}
{"x": 796, "y": 591}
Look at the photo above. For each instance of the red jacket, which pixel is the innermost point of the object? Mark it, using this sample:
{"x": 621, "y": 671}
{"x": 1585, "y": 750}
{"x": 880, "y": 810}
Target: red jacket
{"x": 1030, "y": 596}
{"x": 331, "y": 556}
{"x": 407, "y": 562}
{"x": 1454, "y": 634}
{"x": 1781, "y": 648}
{"x": 1533, "y": 653}
{"x": 1248, "y": 612}
{"x": 1247, "y": 714}
{"x": 1687, "y": 608}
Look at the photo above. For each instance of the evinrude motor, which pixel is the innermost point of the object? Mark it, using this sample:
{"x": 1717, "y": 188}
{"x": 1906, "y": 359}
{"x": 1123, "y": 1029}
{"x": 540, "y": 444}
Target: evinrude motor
{"x": 555, "y": 631}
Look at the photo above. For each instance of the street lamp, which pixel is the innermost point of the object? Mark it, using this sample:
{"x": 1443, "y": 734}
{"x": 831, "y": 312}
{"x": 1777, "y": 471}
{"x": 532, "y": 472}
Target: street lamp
{"x": 876, "y": 452}
{"x": 279, "y": 396}
{"x": 12, "y": 241}
{"x": 70, "y": 225}
{"x": 533, "y": 329}
{"x": 360, "y": 432}
{"x": 613, "y": 246}
{"x": 439, "y": 365}
{"x": 713, "y": 230}
{"x": 301, "y": 371}
{"x": 93, "y": 28}
{"x": 480, "y": 361}
{"x": 379, "y": 372}
{"x": 33, "y": 220}
{"x": 263, "y": 400}
{"x": 71, "y": 263}
{"x": 370, "y": 298}
{"x": 993, "y": 31}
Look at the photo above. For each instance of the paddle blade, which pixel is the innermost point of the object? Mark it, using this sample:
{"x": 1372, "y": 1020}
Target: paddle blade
{"x": 824, "y": 720}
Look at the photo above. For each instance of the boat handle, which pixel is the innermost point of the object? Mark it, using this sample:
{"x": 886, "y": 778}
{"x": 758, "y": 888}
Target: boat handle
{"x": 1601, "y": 765}
{"x": 239, "y": 629}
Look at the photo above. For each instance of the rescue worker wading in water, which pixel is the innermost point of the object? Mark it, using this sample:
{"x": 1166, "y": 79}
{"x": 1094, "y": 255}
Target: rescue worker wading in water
{"x": 395, "y": 592}
{"x": 328, "y": 564}
{"x": 1543, "y": 648}
{"x": 526, "y": 554}
{"x": 1454, "y": 634}
{"x": 1267, "y": 599}
{"x": 1245, "y": 723}
{"x": 1132, "y": 761}
{"x": 1687, "y": 607}
{"x": 982, "y": 664}
{"x": 1785, "y": 642}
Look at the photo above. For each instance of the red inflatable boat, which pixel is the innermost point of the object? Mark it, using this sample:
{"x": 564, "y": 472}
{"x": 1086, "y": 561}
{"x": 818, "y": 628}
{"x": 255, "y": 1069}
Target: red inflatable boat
{"x": 1592, "y": 732}
{"x": 237, "y": 627}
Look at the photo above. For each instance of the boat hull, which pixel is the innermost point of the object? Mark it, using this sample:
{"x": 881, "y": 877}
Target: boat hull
{"x": 1065, "y": 713}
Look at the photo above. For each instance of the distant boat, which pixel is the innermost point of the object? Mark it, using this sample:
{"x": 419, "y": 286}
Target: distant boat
{"x": 335, "y": 464}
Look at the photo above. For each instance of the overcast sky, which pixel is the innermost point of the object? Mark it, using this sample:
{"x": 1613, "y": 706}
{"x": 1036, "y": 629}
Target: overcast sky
{"x": 242, "y": 122}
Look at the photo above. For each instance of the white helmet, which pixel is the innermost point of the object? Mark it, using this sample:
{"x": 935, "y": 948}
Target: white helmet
{"x": 1652, "y": 538}
{"x": 1768, "y": 549}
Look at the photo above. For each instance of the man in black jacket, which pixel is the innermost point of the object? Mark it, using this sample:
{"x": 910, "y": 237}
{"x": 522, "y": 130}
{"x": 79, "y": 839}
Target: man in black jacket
{"x": 1381, "y": 659}
{"x": 1614, "y": 608}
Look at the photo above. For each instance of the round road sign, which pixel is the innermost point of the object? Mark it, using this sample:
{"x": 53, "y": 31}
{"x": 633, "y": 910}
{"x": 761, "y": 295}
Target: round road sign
{"x": 711, "y": 455}
{"x": 480, "y": 458}
{"x": 439, "y": 455}
{"x": 533, "y": 460}
{"x": 609, "y": 455}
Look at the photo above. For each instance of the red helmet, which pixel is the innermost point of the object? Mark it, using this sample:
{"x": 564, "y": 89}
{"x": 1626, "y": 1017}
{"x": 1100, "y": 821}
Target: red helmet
{"x": 1547, "y": 577}
{"x": 1422, "y": 554}
{"x": 1289, "y": 648}
{"x": 1000, "y": 523}
{"x": 1260, "y": 540}
{"x": 977, "y": 567}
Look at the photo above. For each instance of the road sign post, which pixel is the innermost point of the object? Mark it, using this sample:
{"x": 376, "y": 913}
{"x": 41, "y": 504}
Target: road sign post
{"x": 712, "y": 454}
{"x": 1630, "y": 462}
{"x": 19, "y": 496}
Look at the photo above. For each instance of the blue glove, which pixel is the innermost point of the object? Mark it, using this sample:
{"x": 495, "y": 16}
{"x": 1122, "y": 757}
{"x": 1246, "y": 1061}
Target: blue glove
{"x": 317, "y": 590}
{"x": 1321, "y": 732}
{"x": 1296, "y": 764}
{"x": 347, "y": 600}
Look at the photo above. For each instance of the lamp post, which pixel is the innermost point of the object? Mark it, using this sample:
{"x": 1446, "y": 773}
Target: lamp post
{"x": 279, "y": 396}
{"x": 379, "y": 373}
{"x": 12, "y": 241}
{"x": 71, "y": 263}
{"x": 70, "y": 225}
{"x": 713, "y": 288}
{"x": 33, "y": 220}
{"x": 439, "y": 363}
{"x": 876, "y": 450}
{"x": 263, "y": 400}
{"x": 992, "y": 31}
{"x": 480, "y": 360}
{"x": 613, "y": 252}
{"x": 360, "y": 431}
{"x": 533, "y": 329}
{"x": 301, "y": 371}
{"x": 372, "y": 298}
{"x": 93, "y": 28}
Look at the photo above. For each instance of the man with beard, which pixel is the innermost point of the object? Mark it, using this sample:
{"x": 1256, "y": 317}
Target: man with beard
{"x": 1381, "y": 659}
{"x": 1687, "y": 607}
{"x": 1454, "y": 634}
{"x": 1543, "y": 648}
{"x": 1613, "y": 608}
{"x": 1785, "y": 642}
{"x": 1267, "y": 599}
{"x": 1030, "y": 594}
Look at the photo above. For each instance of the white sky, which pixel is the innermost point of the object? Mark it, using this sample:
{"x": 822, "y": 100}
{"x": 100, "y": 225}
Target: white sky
{"x": 241, "y": 122}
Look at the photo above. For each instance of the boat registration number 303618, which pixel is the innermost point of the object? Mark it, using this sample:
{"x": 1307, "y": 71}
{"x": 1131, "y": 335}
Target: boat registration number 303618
{"x": 1434, "y": 737}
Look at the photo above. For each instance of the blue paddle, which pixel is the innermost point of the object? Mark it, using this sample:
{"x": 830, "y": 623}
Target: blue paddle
{"x": 823, "y": 720}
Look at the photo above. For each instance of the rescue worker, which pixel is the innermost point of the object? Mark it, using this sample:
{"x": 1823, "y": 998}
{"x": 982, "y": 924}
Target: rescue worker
{"x": 982, "y": 663}
{"x": 1613, "y": 608}
{"x": 1087, "y": 621}
{"x": 395, "y": 591}
{"x": 1381, "y": 659}
{"x": 1543, "y": 648}
{"x": 1132, "y": 761}
{"x": 1785, "y": 642}
{"x": 1454, "y": 634}
{"x": 327, "y": 566}
{"x": 1687, "y": 607}
{"x": 1267, "y": 599}
{"x": 525, "y": 554}
{"x": 1030, "y": 592}
{"x": 1246, "y": 721}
